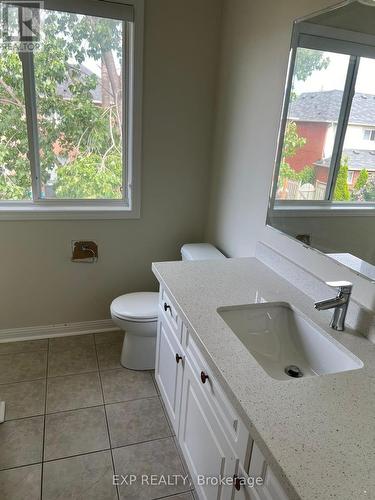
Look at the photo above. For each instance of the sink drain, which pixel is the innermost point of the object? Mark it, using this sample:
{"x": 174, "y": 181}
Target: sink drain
{"x": 293, "y": 371}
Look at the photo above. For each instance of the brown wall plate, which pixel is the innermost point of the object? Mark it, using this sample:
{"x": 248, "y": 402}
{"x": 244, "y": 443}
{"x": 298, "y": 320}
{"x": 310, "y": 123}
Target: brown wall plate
{"x": 85, "y": 250}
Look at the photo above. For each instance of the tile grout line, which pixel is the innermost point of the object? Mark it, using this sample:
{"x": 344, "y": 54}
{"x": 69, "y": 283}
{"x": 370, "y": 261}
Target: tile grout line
{"x": 44, "y": 424}
{"x": 106, "y": 419}
{"x": 75, "y": 373}
{"x": 90, "y": 453}
{"x": 17, "y": 419}
{"x": 174, "y": 494}
{"x": 94, "y": 451}
{"x": 13, "y": 353}
{"x": 20, "y": 466}
{"x": 76, "y": 455}
{"x": 86, "y": 407}
{"x": 22, "y": 381}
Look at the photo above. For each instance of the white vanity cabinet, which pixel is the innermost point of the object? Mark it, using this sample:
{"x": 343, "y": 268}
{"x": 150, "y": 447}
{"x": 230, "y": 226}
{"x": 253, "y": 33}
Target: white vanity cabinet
{"x": 169, "y": 370}
{"x": 213, "y": 438}
{"x": 203, "y": 443}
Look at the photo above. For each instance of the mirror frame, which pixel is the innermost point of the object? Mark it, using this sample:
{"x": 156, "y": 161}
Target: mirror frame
{"x": 348, "y": 42}
{"x": 309, "y": 35}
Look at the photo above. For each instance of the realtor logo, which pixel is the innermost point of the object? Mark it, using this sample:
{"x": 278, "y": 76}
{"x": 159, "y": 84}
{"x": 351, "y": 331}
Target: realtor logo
{"x": 21, "y": 24}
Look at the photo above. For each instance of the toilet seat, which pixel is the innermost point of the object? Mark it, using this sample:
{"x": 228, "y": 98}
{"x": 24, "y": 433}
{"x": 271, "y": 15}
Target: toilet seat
{"x": 139, "y": 307}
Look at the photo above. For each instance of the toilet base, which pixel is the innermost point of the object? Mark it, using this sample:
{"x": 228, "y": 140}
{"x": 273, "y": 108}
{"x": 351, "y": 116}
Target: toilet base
{"x": 138, "y": 353}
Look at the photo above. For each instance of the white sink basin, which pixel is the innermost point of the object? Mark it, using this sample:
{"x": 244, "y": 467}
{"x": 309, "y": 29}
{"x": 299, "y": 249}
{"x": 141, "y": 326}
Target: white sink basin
{"x": 278, "y": 337}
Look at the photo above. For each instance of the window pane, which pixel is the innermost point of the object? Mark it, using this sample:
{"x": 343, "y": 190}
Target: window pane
{"x": 78, "y": 76}
{"x": 315, "y": 102}
{"x": 15, "y": 176}
{"x": 358, "y": 155}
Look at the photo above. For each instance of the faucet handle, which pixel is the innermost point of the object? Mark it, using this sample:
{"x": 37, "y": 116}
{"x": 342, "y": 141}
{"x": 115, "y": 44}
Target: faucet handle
{"x": 342, "y": 286}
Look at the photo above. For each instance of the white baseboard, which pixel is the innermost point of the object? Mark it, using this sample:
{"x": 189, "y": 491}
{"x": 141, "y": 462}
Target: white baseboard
{"x": 62, "y": 330}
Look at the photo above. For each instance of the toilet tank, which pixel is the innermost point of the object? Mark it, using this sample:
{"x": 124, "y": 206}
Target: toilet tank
{"x": 200, "y": 251}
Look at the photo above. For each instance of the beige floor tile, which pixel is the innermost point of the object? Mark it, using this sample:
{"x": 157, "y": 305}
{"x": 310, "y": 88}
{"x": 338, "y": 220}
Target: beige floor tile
{"x": 86, "y": 477}
{"x": 75, "y": 432}
{"x": 76, "y": 444}
{"x": 73, "y": 391}
{"x": 136, "y": 421}
{"x": 21, "y": 442}
{"x": 159, "y": 458}
{"x": 125, "y": 385}
{"x": 109, "y": 337}
{"x": 72, "y": 361}
{"x": 71, "y": 342}
{"x": 22, "y": 366}
{"x": 23, "y": 399}
{"x": 23, "y": 483}
{"x": 109, "y": 355}
{"x": 24, "y": 346}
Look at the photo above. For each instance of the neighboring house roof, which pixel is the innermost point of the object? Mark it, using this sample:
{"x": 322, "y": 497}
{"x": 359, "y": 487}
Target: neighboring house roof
{"x": 357, "y": 159}
{"x": 63, "y": 88}
{"x": 325, "y": 107}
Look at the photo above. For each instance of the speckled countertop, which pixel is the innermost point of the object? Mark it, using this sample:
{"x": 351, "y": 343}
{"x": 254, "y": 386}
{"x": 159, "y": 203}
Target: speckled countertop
{"x": 317, "y": 433}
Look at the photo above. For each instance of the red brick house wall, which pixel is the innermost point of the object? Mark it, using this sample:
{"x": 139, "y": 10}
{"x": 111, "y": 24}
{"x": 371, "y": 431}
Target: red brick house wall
{"x": 312, "y": 151}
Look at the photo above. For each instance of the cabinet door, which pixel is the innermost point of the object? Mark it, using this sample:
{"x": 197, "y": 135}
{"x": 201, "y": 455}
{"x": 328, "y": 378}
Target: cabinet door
{"x": 168, "y": 371}
{"x": 202, "y": 440}
{"x": 271, "y": 488}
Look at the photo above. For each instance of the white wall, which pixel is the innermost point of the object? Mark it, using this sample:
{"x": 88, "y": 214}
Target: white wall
{"x": 38, "y": 283}
{"x": 354, "y": 138}
{"x": 333, "y": 234}
{"x": 254, "y": 55}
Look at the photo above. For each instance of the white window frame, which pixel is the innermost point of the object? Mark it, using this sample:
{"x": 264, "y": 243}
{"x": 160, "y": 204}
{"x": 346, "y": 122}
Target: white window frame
{"x": 356, "y": 45}
{"x": 129, "y": 206}
{"x": 371, "y": 134}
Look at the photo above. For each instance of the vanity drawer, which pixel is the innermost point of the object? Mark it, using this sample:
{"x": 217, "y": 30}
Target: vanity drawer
{"x": 233, "y": 426}
{"x": 271, "y": 487}
{"x": 169, "y": 314}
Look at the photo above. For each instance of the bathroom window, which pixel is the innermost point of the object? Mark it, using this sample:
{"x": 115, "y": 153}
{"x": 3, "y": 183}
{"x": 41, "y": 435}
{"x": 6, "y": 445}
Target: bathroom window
{"x": 326, "y": 157}
{"x": 69, "y": 108}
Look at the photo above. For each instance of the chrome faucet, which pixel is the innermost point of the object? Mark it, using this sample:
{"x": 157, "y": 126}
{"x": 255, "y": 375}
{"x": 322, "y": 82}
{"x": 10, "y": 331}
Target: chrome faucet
{"x": 339, "y": 303}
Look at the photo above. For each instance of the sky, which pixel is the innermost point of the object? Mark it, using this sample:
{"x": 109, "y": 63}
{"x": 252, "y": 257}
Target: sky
{"x": 333, "y": 78}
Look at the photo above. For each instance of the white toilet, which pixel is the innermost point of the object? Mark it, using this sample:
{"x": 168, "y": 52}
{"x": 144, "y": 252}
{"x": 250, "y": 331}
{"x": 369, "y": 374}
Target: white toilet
{"x": 137, "y": 315}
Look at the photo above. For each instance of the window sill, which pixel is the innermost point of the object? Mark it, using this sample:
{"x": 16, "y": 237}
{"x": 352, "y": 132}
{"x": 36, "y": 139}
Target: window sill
{"x": 23, "y": 211}
{"x": 337, "y": 210}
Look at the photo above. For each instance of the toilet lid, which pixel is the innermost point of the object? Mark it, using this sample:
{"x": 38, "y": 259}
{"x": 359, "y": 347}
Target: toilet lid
{"x": 140, "y": 305}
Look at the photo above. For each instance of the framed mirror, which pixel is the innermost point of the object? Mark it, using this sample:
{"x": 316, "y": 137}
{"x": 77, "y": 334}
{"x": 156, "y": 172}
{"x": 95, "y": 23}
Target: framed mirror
{"x": 323, "y": 189}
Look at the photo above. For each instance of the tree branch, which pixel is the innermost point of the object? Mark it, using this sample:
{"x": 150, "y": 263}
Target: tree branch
{"x": 10, "y": 92}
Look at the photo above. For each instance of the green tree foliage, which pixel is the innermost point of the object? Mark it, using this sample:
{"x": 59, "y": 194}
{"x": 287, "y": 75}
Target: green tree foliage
{"x": 84, "y": 176}
{"x": 362, "y": 180}
{"x": 308, "y": 61}
{"x": 342, "y": 192}
{"x": 15, "y": 177}
{"x": 292, "y": 143}
{"x": 367, "y": 192}
{"x": 307, "y": 175}
{"x": 80, "y": 141}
